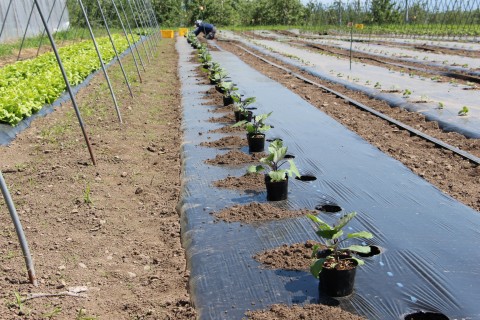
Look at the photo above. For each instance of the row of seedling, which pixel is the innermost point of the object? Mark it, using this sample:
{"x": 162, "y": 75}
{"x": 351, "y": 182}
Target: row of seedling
{"x": 333, "y": 263}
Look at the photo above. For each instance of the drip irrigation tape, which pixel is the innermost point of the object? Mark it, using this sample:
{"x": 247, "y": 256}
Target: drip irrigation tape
{"x": 359, "y": 105}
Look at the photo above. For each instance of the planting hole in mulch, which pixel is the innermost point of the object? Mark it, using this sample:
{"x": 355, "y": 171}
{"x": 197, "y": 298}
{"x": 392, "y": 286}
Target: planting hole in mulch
{"x": 328, "y": 208}
{"x": 235, "y": 158}
{"x": 306, "y": 177}
{"x": 425, "y": 316}
{"x": 289, "y": 156}
{"x": 251, "y": 108}
{"x": 374, "y": 250}
{"x": 258, "y": 212}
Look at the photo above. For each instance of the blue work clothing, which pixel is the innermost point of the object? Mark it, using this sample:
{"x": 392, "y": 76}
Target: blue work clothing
{"x": 206, "y": 28}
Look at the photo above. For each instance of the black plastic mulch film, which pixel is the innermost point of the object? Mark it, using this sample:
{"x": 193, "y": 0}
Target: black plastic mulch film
{"x": 430, "y": 257}
{"x": 470, "y": 129}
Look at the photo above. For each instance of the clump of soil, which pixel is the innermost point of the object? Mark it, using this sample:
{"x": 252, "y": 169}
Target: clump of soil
{"x": 228, "y": 118}
{"x": 312, "y": 312}
{"x": 224, "y": 109}
{"x": 249, "y": 181}
{"x": 255, "y": 212}
{"x": 228, "y": 129}
{"x": 226, "y": 142}
{"x": 235, "y": 158}
{"x": 288, "y": 257}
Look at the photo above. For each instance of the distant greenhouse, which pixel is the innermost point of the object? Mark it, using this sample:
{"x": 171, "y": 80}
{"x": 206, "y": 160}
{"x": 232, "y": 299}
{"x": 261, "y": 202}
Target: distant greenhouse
{"x": 16, "y": 15}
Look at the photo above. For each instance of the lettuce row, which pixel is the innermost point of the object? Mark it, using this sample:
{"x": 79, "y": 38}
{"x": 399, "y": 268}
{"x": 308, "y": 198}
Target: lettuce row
{"x": 26, "y": 86}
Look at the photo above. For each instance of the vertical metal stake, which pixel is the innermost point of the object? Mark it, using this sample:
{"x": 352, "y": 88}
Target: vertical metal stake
{"x": 145, "y": 23}
{"x": 48, "y": 20}
{"x": 61, "y": 16}
{"x": 152, "y": 23}
{"x": 25, "y": 34}
{"x": 136, "y": 23}
{"x": 128, "y": 40}
{"x": 115, "y": 49}
{"x": 5, "y": 18}
{"x": 101, "y": 62}
{"x": 67, "y": 83}
{"x": 131, "y": 34}
{"x": 19, "y": 231}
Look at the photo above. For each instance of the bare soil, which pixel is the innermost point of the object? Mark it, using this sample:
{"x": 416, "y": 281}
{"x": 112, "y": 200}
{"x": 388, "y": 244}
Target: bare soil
{"x": 226, "y": 142}
{"x": 288, "y": 257}
{"x": 311, "y": 312}
{"x": 256, "y": 212}
{"x": 110, "y": 229}
{"x": 449, "y": 172}
{"x": 236, "y": 158}
{"x": 247, "y": 182}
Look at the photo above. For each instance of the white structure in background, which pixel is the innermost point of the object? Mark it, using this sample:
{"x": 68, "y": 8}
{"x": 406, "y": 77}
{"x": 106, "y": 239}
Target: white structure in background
{"x": 15, "y": 22}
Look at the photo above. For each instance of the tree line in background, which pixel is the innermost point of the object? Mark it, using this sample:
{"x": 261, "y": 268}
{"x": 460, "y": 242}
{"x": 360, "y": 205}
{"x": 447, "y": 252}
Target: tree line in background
{"x": 293, "y": 12}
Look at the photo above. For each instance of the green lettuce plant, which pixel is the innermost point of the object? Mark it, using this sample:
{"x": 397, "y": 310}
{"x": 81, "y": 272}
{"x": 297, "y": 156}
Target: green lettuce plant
{"x": 274, "y": 161}
{"x": 334, "y": 239}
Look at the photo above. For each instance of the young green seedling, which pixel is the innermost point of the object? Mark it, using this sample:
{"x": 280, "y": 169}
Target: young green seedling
{"x": 464, "y": 111}
{"x": 274, "y": 161}
{"x": 333, "y": 240}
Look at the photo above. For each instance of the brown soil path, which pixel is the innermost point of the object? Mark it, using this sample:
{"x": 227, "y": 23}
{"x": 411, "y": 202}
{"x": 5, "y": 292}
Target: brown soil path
{"x": 112, "y": 228}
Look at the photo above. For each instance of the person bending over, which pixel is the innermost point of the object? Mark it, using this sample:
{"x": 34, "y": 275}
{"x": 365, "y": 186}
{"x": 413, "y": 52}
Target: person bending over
{"x": 207, "y": 29}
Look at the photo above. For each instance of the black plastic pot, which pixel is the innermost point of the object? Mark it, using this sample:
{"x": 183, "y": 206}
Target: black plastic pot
{"x": 256, "y": 143}
{"x": 276, "y": 191}
{"x": 227, "y": 101}
{"x": 240, "y": 116}
{"x": 219, "y": 89}
{"x": 337, "y": 283}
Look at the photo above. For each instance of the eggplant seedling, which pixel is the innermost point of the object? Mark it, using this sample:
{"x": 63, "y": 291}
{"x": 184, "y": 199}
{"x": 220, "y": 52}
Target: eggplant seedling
{"x": 332, "y": 248}
{"x": 275, "y": 160}
{"x": 407, "y": 93}
{"x": 464, "y": 111}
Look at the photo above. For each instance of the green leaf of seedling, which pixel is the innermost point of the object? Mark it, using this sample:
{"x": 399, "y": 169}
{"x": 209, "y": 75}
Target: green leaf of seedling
{"x": 360, "y": 262}
{"x": 321, "y": 225}
{"x": 362, "y": 234}
{"x": 293, "y": 169}
{"x": 317, "y": 267}
{"x": 342, "y": 222}
{"x": 360, "y": 249}
{"x": 240, "y": 124}
{"x": 327, "y": 234}
{"x": 337, "y": 235}
{"x": 278, "y": 175}
{"x": 255, "y": 169}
